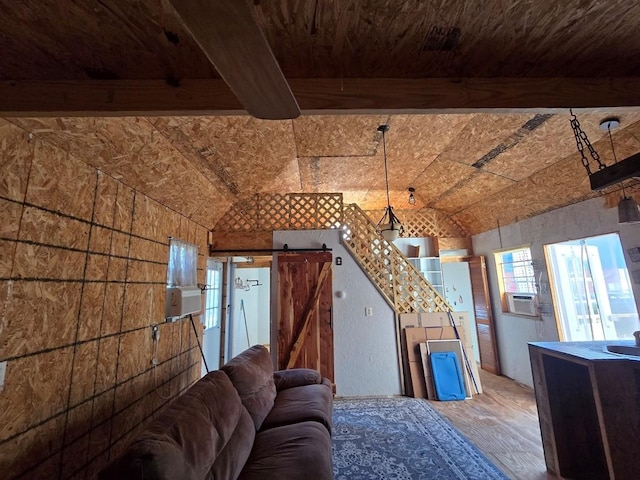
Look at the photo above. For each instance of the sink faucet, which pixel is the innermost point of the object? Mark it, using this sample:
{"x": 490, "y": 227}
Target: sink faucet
{"x": 637, "y": 335}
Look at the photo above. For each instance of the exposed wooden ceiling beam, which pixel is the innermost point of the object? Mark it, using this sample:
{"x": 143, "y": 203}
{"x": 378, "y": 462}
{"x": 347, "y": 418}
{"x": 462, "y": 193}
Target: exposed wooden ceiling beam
{"x": 228, "y": 34}
{"x": 321, "y": 96}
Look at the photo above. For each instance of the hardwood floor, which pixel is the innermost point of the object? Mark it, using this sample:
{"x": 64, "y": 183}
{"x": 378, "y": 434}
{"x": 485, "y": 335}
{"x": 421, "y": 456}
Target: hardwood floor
{"x": 503, "y": 424}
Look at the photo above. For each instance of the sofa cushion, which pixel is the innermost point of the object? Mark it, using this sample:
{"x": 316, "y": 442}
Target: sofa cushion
{"x": 292, "y": 452}
{"x": 295, "y": 378}
{"x": 189, "y": 437}
{"x": 300, "y": 404}
{"x": 251, "y": 373}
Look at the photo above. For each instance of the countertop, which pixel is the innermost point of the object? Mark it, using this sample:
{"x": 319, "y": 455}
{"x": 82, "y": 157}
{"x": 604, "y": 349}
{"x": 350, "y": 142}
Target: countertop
{"x": 593, "y": 351}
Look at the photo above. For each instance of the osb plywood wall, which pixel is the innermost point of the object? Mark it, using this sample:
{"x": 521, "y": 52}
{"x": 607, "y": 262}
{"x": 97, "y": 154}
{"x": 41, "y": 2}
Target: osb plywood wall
{"x": 82, "y": 278}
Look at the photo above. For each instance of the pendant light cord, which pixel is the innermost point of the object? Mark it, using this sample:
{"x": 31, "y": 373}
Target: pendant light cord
{"x": 615, "y": 159}
{"x": 386, "y": 176}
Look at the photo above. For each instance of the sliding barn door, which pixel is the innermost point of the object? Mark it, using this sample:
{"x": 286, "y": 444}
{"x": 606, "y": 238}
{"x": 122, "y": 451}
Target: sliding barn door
{"x": 305, "y": 330}
{"x": 484, "y": 319}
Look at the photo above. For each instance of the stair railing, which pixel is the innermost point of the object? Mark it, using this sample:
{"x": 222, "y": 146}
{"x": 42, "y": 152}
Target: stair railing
{"x": 401, "y": 284}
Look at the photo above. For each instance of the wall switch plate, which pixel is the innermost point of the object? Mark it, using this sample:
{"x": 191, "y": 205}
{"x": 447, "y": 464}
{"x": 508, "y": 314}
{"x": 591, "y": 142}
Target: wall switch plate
{"x": 3, "y": 371}
{"x": 368, "y": 312}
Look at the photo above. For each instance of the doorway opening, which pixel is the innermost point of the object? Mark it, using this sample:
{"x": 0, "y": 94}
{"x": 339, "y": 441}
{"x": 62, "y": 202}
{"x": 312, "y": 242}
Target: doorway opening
{"x": 591, "y": 290}
{"x": 249, "y": 305}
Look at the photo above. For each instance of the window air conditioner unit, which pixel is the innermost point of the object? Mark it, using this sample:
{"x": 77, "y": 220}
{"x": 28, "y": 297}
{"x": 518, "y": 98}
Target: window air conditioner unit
{"x": 522, "y": 304}
{"x": 182, "y": 301}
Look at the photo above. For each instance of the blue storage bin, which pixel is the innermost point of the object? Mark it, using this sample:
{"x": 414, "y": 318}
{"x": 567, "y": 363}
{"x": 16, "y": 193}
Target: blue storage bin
{"x": 447, "y": 376}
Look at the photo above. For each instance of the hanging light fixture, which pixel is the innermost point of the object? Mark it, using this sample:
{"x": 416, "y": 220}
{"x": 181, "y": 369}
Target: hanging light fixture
{"x": 389, "y": 226}
{"x": 628, "y": 210}
{"x": 412, "y": 198}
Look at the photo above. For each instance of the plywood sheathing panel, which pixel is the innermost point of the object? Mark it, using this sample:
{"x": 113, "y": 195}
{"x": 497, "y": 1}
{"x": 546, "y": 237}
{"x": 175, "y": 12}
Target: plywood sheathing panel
{"x": 123, "y": 212}
{"x": 106, "y": 366}
{"x": 130, "y": 149}
{"x": 78, "y": 421}
{"x": 61, "y": 182}
{"x": 553, "y": 140}
{"x": 40, "y": 226}
{"x": 137, "y": 306}
{"x": 566, "y": 181}
{"x": 338, "y": 135}
{"x": 247, "y": 154}
{"x": 106, "y": 192}
{"x": 100, "y": 241}
{"x": 135, "y": 353}
{"x": 85, "y": 358}
{"x": 43, "y": 317}
{"x": 440, "y": 176}
{"x": 16, "y": 152}
{"x": 93, "y": 295}
{"x": 10, "y": 214}
{"x": 34, "y": 446}
{"x": 26, "y": 403}
{"x": 39, "y": 315}
{"x": 148, "y": 219}
{"x": 331, "y": 174}
{"x": 33, "y": 261}
{"x": 562, "y": 183}
{"x": 481, "y": 135}
{"x": 476, "y": 188}
{"x": 414, "y": 141}
{"x": 149, "y": 163}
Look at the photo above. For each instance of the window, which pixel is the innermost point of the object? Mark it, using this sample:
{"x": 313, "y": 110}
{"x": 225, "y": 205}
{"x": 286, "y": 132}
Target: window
{"x": 591, "y": 289}
{"x": 515, "y": 271}
{"x": 182, "y": 270}
{"x": 213, "y": 297}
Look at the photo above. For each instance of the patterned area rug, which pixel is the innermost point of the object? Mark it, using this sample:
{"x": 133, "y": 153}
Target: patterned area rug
{"x": 401, "y": 439}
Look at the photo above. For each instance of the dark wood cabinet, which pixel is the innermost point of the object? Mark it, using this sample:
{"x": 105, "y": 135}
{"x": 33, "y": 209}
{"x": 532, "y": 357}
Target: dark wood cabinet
{"x": 589, "y": 410}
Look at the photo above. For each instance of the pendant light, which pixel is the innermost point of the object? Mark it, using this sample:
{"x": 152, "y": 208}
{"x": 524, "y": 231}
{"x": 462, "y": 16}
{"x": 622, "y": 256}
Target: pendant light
{"x": 412, "y": 198}
{"x": 628, "y": 210}
{"x": 389, "y": 225}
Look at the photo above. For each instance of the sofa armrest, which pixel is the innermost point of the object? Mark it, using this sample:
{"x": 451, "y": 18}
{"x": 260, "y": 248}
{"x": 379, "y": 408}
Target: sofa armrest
{"x": 295, "y": 377}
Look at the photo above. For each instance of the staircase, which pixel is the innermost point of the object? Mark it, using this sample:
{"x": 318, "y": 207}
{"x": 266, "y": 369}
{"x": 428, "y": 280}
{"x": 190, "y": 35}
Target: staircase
{"x": 398, "y": 280}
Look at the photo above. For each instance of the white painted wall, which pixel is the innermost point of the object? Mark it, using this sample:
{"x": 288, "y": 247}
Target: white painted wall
{"x": 585, "y": 219}
{"x": 256, "y": 302}
{"x": 365, "y": 353}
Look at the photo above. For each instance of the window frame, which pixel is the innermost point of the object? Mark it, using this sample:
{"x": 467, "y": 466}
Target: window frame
{"x": 212, "y": 314}
{"x": 526, "y": 278}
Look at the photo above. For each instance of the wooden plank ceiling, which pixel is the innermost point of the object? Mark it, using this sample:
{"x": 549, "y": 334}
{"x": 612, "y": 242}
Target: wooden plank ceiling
{"x": 476, "y": 95}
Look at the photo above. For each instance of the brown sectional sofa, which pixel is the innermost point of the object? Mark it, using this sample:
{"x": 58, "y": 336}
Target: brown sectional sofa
{"x": 243, "y": 422}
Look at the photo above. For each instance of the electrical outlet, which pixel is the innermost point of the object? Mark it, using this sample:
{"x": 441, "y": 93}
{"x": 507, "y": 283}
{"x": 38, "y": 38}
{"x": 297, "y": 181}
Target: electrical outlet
{"x": 3, "y": 371}
{"x": 368, "y": 312}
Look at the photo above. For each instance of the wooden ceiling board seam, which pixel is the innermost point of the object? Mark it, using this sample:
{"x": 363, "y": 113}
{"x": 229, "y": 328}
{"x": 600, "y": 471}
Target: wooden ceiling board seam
{"x": 474, "y": 189}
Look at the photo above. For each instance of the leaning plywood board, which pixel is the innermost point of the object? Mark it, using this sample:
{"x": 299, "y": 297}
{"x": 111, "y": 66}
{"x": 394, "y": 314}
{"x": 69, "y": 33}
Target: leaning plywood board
{"x": 411, "y": 340}
{"x": 451, "y": 346}
{"x": 427, "y": 376}
{"x": 419, "y": 388}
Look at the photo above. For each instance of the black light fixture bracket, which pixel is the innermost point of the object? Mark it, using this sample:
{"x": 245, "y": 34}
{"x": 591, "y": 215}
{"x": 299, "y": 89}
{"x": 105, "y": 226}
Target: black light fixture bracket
{"x": 616, "y": 173}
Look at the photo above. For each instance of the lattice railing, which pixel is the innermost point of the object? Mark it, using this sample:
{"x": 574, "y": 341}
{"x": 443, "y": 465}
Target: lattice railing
{"x": 290, "y": 211}
{"x": 399, "y": 281}
{"x": 425, "y": 222}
